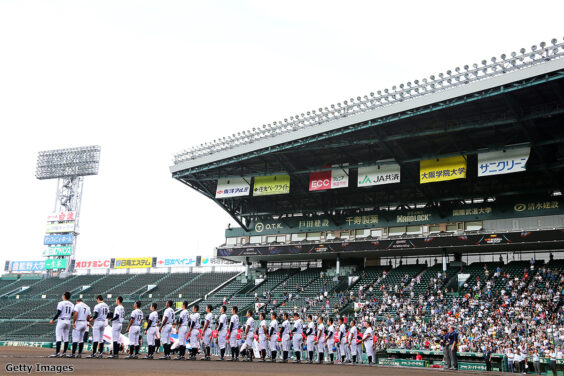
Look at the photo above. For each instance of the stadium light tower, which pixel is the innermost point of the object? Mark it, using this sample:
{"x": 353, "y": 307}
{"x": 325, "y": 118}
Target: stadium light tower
{"x": 69, "y": 167}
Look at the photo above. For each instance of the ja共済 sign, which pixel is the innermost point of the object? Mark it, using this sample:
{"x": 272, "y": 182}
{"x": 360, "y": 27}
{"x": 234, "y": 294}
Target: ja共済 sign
{"x": 378, "y": 175}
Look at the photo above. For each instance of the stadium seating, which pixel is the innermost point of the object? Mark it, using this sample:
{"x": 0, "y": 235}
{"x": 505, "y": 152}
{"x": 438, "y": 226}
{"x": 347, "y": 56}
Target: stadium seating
{"x": 27, "y": 317}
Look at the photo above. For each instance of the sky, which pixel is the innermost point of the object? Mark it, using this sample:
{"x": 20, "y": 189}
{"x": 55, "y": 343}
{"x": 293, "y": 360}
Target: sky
{"x": 146, "y": 79}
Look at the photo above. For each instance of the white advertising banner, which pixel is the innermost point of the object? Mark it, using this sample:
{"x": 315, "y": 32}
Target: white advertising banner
{"x": 61, "y": 217}
{"x": 232, "y": 187}
{"x": 503, "y": 162}
{"x": 59, "y": 227}
{"x": 340, "y": 178}
{"x": 378, "y": 175}
{"x": 93, "y": 264}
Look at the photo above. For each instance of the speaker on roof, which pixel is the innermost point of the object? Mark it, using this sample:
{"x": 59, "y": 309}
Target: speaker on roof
{"x": 7, "y": 266}
{"x": 198, "y": 260}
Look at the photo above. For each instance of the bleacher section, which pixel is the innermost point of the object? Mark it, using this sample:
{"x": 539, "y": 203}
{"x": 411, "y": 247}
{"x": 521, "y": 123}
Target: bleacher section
{"x": 291, "y": 290}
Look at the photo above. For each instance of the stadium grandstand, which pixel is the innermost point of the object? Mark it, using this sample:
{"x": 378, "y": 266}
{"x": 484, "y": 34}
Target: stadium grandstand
{"x": 434, "y": 203}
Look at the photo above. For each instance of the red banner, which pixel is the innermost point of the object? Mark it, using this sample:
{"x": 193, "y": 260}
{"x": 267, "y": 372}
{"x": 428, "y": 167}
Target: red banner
{"x": 319, "y": 181}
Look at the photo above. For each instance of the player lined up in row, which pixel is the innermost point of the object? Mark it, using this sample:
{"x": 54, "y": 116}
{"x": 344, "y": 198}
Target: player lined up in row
{"x": 266, "y": 337}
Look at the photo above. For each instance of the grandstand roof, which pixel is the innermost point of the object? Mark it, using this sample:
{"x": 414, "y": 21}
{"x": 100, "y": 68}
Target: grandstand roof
{"x": 510, "y": 101}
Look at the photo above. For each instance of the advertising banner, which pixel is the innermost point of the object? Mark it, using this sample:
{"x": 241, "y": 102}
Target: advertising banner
{"x": 506, "y": 240}
{"x": 60, "y": 227}
{"x": 378, "y": 175}
{"x": 133, "y": 263}
{"x": 55, "y": 264}
{"x": 271, "y": 185}
{"x": 58, "y": 239}
{"x": 27, "y": 266}
{"x": 442, "y": 169}
{"x": 170, "y": 262}
{"x": 503, "y": 162}
{"x": 233, "y": 187}
{"x": 332, "y": 179}
{"x": 58, "y": 251}
{"x": 61, "y": 217}
{"x": 93, "y": 264}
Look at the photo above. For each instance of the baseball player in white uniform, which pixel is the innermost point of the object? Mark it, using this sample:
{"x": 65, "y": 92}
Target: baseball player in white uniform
{"x": 297, "y": 340}
{"x": 320, "y": 340}
{"x": 194, "y": 331}
{"x": 368, "y": 341}
{"x": 134, "y": 328}
{"x": 63, "y": 316}
{"x": 249, "y": 335}
{"x": 342, "y": 339}
{"x": 330, "y": 340}
{"x": 80, "y": 317}
{"x": 151, "y": 330}
{"x": 222, "y": 332}
{"x": 100, "y": 314}
{"x": 207, "y": 332}
{"x": 285, "y": 335}
{"x": 117, "y": 319}
{"x": 182, "y": 329}
{"x": 273, "y": 336}
{"x": 166, "y": 329}
{"x": 233, "y": 328}
{"x": 262, "y": 336}
{"x": 310, "y": 338}
{"x": 353, "y": 333}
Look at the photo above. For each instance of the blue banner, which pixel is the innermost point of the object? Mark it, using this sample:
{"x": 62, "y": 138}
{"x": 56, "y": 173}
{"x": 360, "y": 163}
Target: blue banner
{"x": 27, "y": 266}
{"x": 58, "y": 239}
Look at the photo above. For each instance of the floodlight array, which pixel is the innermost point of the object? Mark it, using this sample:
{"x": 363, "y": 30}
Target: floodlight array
{"x": 382, "y": 98}
{"x": 65, "y": 163}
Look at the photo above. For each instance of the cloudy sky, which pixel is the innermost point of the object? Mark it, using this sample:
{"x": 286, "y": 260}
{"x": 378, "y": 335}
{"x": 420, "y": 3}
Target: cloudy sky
{"x": 145, "y": 79}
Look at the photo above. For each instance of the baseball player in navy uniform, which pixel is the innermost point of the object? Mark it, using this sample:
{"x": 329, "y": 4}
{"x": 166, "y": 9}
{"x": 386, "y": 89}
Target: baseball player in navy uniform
{"x": 134, "y": 330}
{"x": 222, "y": 332}
{"x": 297, "y": 332}
{"x": 273, "y": 336}
{"x": 81, "y": 316}
{"x": 99, "y": 317}
{"x": 285, "y": 335}
{"x": 63, "y": 316}
{"x": 166, "y": 329}
{"x": 249, "y": 336}
{"x": 194, "y": 331}
{"x": 182, "y": 330}
{"x": 320, "y": 339}
{"x": 117, "y": 319}
{"x": 233, "y": 328}
{"x": 207, "y": 332}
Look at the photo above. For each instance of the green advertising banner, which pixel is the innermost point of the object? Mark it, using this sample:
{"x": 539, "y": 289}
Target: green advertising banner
{"x": 55, "y": 264}
{"x": 401, "y": 362}
{"x": 517, "y": 208}
{"x": 58, "y": 251}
